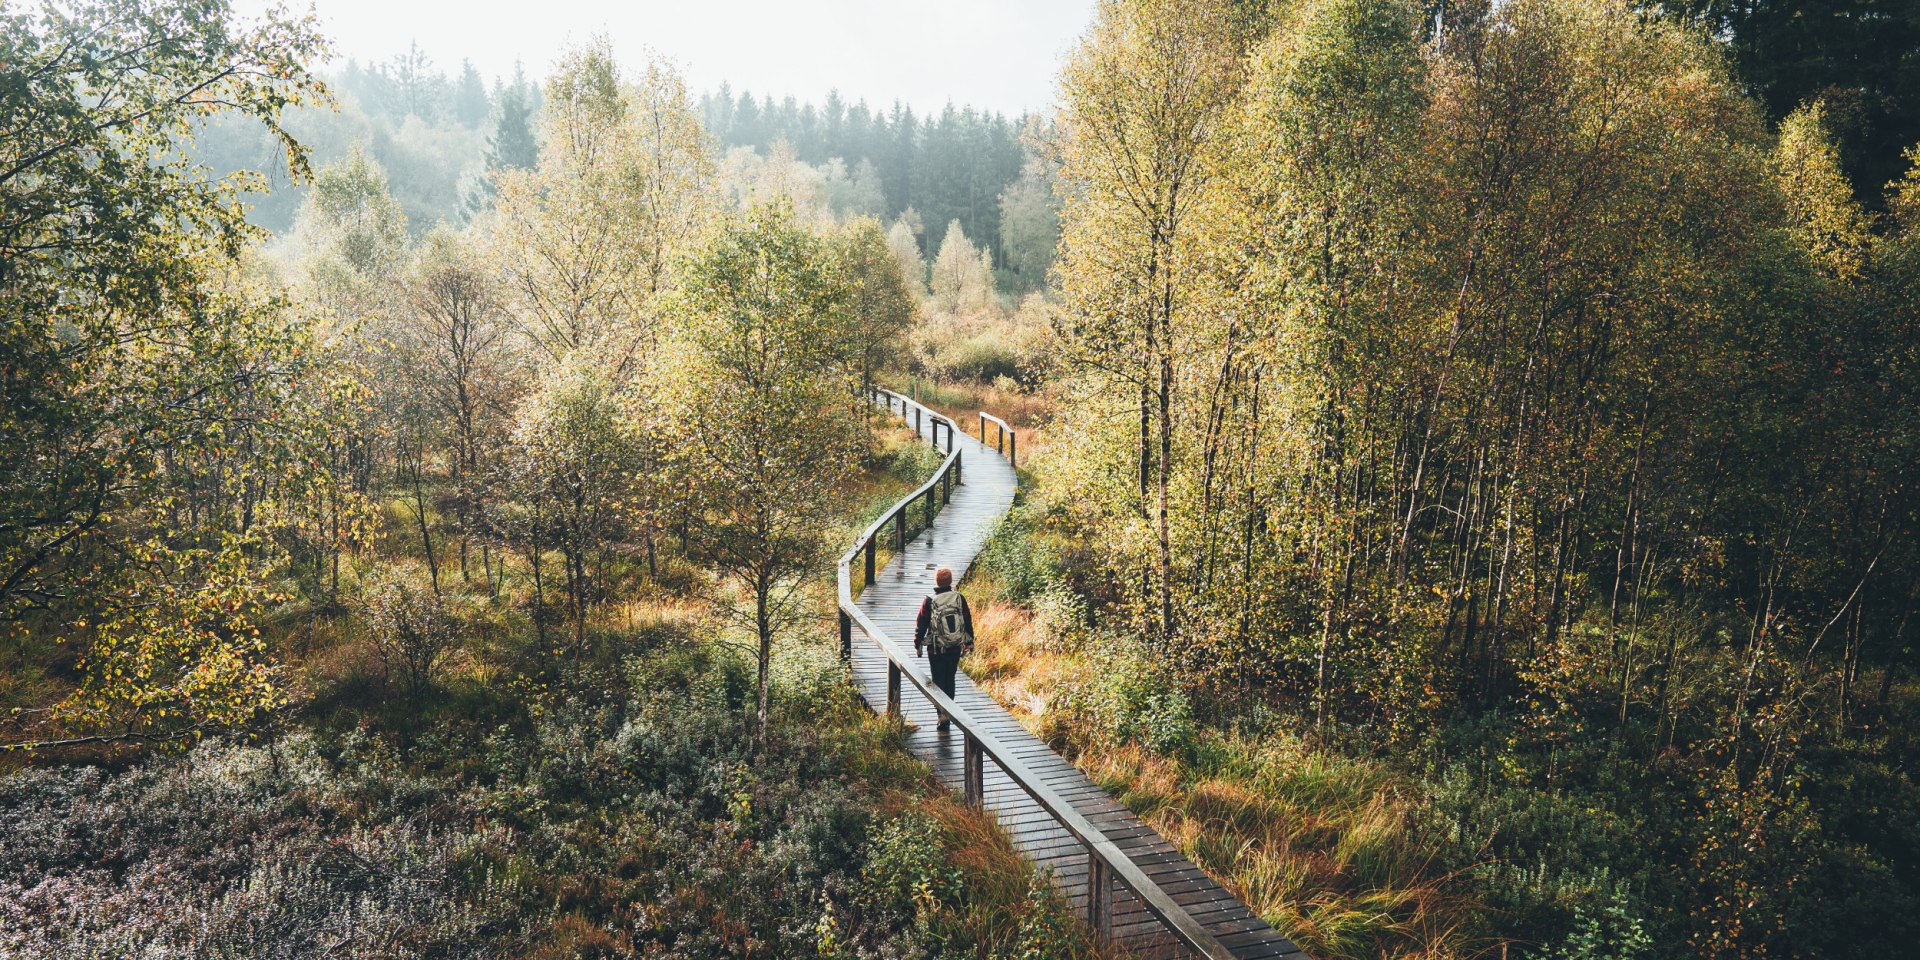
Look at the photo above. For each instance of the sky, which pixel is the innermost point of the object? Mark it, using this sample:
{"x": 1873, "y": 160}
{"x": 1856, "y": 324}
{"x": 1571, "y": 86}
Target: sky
{"x": 999, "y": 54}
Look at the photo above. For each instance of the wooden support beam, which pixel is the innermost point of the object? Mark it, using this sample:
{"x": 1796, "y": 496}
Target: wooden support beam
{"x": 1099, "y": 897}
{"x": 975, "y": 773}
{"x": 893, "y": 690}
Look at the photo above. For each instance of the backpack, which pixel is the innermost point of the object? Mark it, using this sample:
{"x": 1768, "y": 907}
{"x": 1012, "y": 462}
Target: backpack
{"x": 947, "y": 627}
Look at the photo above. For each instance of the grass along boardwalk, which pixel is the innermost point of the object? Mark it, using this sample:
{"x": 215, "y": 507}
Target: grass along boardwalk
{"x": 890, "y": 603}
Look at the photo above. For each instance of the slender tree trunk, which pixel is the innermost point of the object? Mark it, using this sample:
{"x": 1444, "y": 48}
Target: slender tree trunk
{"x": 1899, "y": 634}
{"x": 420, "y": 517}
{"x": 1162, "y": 506}
{"x": 763, "y": 621}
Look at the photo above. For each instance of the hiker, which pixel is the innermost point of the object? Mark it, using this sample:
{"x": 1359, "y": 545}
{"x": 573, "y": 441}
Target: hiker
{"x": 943, "y": 633}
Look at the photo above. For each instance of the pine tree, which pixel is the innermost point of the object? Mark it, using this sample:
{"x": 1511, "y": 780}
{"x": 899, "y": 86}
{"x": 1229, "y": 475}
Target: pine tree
{"x": 513, "y": 145}
{"x": 470, "y": 105}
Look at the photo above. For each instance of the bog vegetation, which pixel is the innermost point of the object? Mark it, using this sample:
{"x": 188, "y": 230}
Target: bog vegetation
{"x": 1471, "y": 507}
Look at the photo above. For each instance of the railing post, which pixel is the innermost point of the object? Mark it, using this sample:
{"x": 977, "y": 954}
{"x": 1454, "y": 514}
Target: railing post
{"x": 930, "y": 505}
{"x": 870, "y": 549}
{"x": 893, "y": 690}
{"x": 949, "y": 439}
{"x": 916, "y": 421}
{"x": 900, "y": 530}
{"x": 975, "y": 773}
{"x": 983, "y": 426}
{"x": 957, "y": 478}
{"x": 846, "y": 636}
{"x": 999, "y": 439}
{"x": 946, "y": 488}
{"x": 1013, "y": 449}
{"x": 1099, "y": 896}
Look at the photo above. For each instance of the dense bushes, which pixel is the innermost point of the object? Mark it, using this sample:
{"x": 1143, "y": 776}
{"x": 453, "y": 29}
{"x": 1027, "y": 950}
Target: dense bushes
{"x": 1548, "y": 828}
{"x": 987, "y": 345}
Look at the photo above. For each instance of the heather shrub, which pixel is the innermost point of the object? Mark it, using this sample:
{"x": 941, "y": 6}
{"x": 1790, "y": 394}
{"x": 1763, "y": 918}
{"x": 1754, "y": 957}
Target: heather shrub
{"x": 230, "y": 852}
{"x": 629, "y": 817}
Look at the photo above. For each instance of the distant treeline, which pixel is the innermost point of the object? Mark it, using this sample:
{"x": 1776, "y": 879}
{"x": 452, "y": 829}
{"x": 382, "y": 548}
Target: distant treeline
{"x": 438, "y": 134}
{"x": 949, "y": 166}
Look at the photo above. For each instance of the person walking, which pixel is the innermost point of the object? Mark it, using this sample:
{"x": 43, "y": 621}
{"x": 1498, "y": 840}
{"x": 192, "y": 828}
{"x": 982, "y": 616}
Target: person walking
{"x": 943, "y": 633}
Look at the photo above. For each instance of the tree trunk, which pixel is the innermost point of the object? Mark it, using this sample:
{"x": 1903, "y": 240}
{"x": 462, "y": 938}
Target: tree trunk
{"x": 763, "y": 621}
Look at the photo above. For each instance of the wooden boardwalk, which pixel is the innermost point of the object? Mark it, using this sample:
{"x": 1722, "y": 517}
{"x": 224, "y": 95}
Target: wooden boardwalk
{"x": 959, "y": 532}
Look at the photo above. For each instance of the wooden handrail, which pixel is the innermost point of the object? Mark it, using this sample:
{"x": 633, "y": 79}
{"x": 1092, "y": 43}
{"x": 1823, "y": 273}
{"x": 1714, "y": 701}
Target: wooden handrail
{"x": 949, "y": 474}
{"x": 1104, "y": 858}
{"x": 1005, "y": 442}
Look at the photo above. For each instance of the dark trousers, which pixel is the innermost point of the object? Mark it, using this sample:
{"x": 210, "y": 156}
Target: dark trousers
{"x": 943, "y": 666}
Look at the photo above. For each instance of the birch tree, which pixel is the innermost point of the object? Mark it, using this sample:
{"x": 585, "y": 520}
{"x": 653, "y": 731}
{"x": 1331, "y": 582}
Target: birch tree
{"x": 1144, "y": 101}
{"x": 761, "y": 368}
{"x": 624, "y": 183}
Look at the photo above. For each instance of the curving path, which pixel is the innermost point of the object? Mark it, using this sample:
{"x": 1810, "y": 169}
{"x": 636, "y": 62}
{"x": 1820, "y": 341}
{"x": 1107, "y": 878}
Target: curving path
{"x": 958, "y": 533}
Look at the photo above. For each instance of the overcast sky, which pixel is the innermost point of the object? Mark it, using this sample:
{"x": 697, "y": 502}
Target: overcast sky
{"x": 999, "y": 54}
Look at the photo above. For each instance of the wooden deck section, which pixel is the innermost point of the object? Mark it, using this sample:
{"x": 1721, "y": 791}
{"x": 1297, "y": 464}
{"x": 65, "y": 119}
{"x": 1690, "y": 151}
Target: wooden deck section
{"x": 959, "y": 532}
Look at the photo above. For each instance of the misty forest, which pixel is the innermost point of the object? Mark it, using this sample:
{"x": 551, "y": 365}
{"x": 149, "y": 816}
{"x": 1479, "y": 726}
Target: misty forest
{"x": 1458, "y": 470}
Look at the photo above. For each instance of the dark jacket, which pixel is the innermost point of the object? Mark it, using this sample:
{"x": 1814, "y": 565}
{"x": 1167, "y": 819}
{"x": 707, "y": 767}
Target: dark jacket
{"x": 924, "y": 622}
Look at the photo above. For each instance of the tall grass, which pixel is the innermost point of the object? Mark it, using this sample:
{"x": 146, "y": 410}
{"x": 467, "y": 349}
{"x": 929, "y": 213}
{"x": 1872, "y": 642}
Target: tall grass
{"x": 1323, "y": 847}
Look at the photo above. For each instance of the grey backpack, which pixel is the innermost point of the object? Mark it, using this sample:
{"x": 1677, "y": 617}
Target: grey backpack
{"x": 948, "y": 628}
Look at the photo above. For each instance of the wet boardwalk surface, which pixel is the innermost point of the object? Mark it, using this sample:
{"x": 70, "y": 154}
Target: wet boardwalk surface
{"x": 959, "y": 532}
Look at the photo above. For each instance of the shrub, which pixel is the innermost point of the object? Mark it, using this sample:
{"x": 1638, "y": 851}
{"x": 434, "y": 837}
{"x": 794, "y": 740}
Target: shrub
{"x": 1021, "y": 566}
{"x": 227, "y": 853}
{"x": 907, "y": 874}
{"x": 1047, "y": 931}
{"x": 413, "y": 631}
{"x": 1121, "y": 697}
{"x": 1608, "y": 933}
{"x": 981, "y": 347}
{"x": 621, "y": 819}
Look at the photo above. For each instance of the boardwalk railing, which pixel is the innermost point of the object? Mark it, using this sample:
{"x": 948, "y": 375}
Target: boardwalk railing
{"x": 1005, "y": 442}
{"x": 1106, "y": 863}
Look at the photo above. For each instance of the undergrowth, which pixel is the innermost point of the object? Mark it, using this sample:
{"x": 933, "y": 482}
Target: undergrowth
{"x": 1324, "y": 847}
{"x": 626, "y": 819}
